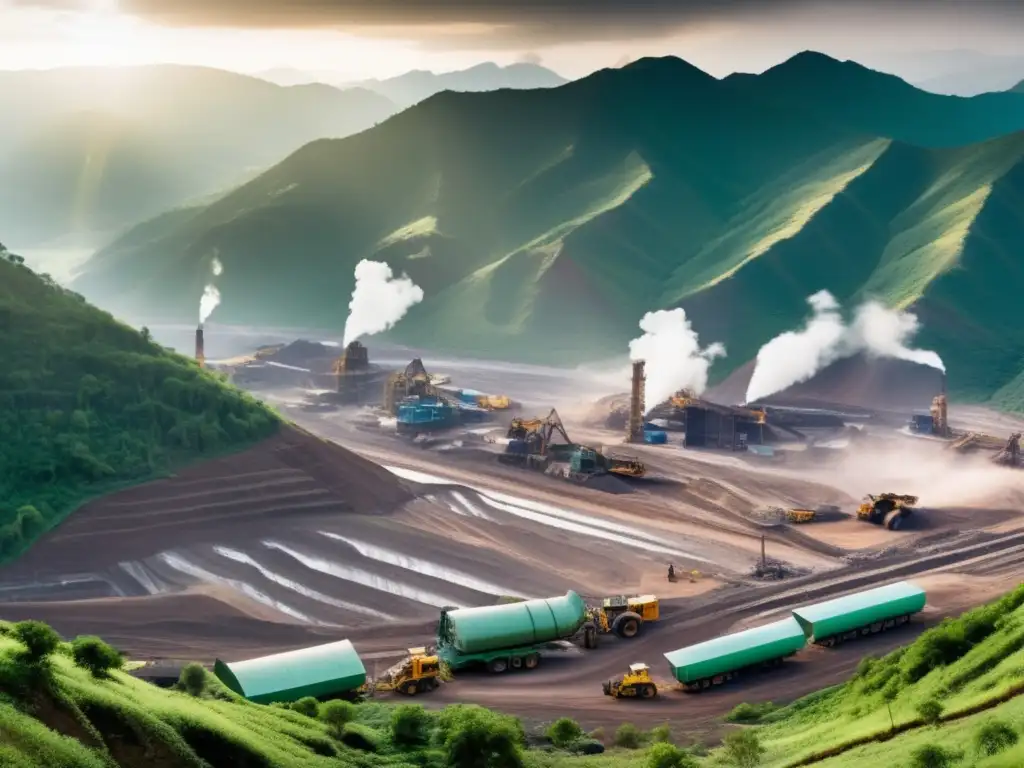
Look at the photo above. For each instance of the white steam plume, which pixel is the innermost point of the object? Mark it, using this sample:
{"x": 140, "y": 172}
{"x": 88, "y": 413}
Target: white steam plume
{"x": 796, "y": 356}
{"x": 211, "y": 296}
{"x": 885, "y": 332}
{"x": 673, "y": 355}
{"x": 379, "y": 300}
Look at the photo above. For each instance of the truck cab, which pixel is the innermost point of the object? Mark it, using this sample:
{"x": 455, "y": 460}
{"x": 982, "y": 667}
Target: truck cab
{"x": 625, "y": 615}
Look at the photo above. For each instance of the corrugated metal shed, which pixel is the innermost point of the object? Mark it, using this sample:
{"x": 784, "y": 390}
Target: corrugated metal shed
{"x": 736, "y": 651}
{"x": 322, "y": 670}
{"x": 493, "y": 627}
{"x": 845, "y": 613}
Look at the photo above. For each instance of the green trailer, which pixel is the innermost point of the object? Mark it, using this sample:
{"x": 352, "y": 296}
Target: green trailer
{"x": 321, "y": 671}
{"x": 716, "y": 661}
{"x": 863, "y": 613}
{"x": 512, "y": 636}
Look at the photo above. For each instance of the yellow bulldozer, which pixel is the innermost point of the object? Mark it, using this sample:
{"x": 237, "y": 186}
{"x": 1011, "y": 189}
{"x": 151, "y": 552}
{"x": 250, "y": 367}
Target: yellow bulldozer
{"x": 888, "y": 509}
{"x": 635, "y": 684}
{"x": 625, "y": 615}
{"x": 418, "y": 672}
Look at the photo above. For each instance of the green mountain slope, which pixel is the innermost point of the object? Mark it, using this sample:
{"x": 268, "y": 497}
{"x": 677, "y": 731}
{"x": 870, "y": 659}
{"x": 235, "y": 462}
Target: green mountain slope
{"x": 95, "y": 150}
{"x": 647, "y": 187}
{"x": 88, "y": 404}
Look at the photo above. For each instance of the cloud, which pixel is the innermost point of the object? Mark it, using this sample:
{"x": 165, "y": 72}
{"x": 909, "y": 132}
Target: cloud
{"x": 531, "y": 57}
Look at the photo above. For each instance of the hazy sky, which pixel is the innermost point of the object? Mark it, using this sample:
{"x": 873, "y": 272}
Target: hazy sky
{"x": 380, "y": 38}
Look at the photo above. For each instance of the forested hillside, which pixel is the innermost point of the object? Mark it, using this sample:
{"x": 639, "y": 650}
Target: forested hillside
{"x": 543, "y": 224}
{"x": 88, "y": 404}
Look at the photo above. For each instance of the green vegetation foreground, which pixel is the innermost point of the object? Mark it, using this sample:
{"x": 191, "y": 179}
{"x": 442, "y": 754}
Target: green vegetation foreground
{"x": 88, "y": 404}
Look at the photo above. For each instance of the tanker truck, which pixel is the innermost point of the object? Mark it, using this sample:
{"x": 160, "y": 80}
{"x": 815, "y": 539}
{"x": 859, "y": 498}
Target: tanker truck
{"x": 512, "y": 636}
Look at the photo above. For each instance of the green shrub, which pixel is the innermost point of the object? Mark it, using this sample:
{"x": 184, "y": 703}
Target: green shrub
{"x": 360, "y": 737}
{"x": 660, "y": 734}
{"x": 564, "y": 732}
{"x": 743, "y": 749}
{"x": 598, "y": 734}
{"x": 930, "y": 711}
{"x": 995, "y": 736}
{"x": 39, "y": 639}
{"x": 750, "y": 713}
{"x": 96, "y": 656}
{"x": 307, "y": 706}
{"x": 627, "y": 736}
{"x": 587, "y": 747}
{"x": 663, "y": 755}
{"x": 474, "y": 737}
{"x": 409, "y": 724}
{"x": 192, "y": 679}
{"x": 337, "y": 714}
{"x": 932, "y": 756}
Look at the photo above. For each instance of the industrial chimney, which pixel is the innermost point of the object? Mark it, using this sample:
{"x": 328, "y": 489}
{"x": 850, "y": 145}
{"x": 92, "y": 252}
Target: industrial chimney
{"x": 200, "y": 349}
{"x": 635, "y": 425}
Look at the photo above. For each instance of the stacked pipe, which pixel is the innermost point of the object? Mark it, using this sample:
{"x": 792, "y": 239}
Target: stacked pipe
{"x": 200, "y": 350}
{"x": 635, "y": 425}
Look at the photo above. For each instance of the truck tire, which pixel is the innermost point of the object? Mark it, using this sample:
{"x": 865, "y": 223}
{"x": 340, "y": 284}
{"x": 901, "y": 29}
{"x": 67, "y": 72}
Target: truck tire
{"x": 648, "y": 691}
{"x": 531, "y": 660}
{"x": 627, "y": 625}
{"x": 497, "y": 666}
{"x": 516, "y": 662}
{"x": 410, "y": 688}
{"x": 590, "y": 638}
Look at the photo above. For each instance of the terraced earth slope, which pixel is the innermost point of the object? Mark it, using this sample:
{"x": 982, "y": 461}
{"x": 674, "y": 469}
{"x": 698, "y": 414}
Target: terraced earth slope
{"x": 88, "y": 405}
{"x": 543, "y": 224}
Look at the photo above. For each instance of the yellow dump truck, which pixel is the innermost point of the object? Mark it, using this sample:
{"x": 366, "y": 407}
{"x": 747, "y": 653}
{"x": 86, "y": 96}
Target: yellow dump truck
{"x": 888, "y": 509}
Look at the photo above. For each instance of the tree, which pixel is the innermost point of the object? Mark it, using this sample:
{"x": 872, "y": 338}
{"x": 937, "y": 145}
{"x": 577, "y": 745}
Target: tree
{"x": 39, "y": 639}
{"x": 409, "y": 724}
{"x": 889, "y": 695}
{"x": 743, "y": 749}
{"x": 337, "y": 714}
{"x": 192, "y": 679}
{"x": 564, "y": 732}
{"x": 93, "y": 654}
{"x": 995, "y": 736}
{"x": 930, "y": 711}
{"x": 932, "y": 756}
{"x": 665, "y": 755}
{"x": 474, "y": 737}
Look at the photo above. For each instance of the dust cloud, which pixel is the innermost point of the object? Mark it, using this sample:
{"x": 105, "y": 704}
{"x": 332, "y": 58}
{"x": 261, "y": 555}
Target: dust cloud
{"x": 379, "y": 300}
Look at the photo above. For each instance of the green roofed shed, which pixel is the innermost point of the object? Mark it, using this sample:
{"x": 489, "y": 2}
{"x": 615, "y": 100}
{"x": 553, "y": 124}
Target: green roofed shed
{"x": 736, "y": 651}
{"x": 843, "y": 614}
{"x": 321, "y": 670}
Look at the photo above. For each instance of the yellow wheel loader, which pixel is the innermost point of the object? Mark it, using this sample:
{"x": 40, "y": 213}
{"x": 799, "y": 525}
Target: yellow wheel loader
{"x": 626, "y": 615}
{"x": 635, "y": 684}
{"x": 418, "y": 672}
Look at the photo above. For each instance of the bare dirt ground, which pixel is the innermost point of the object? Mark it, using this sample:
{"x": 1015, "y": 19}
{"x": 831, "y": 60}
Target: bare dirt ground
{"x": 299, "y": 541}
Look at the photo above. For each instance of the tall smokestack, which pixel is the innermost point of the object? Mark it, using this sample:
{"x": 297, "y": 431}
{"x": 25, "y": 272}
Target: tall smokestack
{"x": 200, "y": 347}
{"x": 635, "y": 426}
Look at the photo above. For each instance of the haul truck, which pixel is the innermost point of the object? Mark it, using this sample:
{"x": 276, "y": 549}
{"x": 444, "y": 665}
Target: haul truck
{"x": 863, "y": 613}
{"x": 512, "y": 636}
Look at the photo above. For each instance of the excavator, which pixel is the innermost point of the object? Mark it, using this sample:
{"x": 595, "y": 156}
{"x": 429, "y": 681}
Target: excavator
{"x": 637, "y": 683}
{"x": 533, "y": 443}
{"x": 888, "y": 509}
{"x": 1010, "y": 455}
{"x": 418, "y": 672}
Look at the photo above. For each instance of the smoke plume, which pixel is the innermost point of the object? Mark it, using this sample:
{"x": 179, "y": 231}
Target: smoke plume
{"x": 673, "y": 355}
{"x": 379, "y": 300}
{"x": 793, "y": 357}
{"x": 211, "y": 296}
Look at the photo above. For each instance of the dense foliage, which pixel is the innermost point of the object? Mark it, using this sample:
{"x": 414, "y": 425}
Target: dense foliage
{"x": 87, "y": 404}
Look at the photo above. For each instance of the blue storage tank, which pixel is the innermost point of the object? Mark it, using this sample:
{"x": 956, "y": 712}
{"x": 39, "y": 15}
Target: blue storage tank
{"x": 655, "y": 437}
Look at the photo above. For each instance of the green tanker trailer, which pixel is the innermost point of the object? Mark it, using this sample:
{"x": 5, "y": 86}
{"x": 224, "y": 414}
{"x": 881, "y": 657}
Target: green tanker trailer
{"x": 703, "y": 665}
{"x": 863, "y": 613}
{"x": 512, "y": 636}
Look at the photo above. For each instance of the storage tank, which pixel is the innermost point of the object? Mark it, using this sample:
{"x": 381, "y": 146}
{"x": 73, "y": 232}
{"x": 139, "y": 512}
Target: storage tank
{"x": 736, "y": 651}
{"x": 489, "y": 628}
{"x": 321, "y": 671}
{"x": 862, "y": 609}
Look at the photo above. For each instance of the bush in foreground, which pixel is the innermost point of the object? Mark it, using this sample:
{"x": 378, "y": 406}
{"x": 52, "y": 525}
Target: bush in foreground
{"x": 627, "y": 736}
{"x": 663, "y": 755}
{"x": 39, "y": 639}
{"x": 474, "y": 737}
{"x": 94, "y": 655}
{"x": 337, "y": 714}
{"x": 307, "y": 706}
{"x": 995, "y": 736}
{"x": 564, "y": 732}
{"x": 192, "y": 679}
{"x": 933, "y": 756}
{"x": 743, "y": 749}
{"x": 930, "y": 711}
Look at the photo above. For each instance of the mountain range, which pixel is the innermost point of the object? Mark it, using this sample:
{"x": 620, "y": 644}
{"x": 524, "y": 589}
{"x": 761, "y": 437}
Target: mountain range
{"x": 89, "y": 151}
{"x": 543, "y": 224}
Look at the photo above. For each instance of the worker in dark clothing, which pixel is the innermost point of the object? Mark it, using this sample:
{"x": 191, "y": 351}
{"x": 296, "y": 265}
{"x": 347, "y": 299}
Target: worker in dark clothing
{"x": 671, "y": 572}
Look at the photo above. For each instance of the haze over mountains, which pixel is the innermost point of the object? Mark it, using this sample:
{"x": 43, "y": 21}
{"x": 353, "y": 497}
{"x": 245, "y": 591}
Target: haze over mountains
{"x": 92, "y": 150}
{"x": 542, "y": 224}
